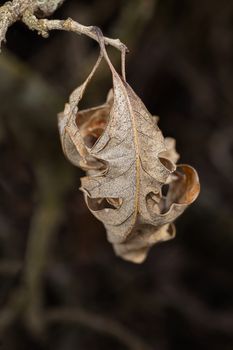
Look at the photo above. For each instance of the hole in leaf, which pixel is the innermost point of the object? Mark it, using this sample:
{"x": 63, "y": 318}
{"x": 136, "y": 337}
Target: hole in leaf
{"x": 171, "y": 230}
{"x": 165, "y": 189}
{"x": 167, "y": 163}
{"x": 104, "y": 203}
{"x": 92, "y": 123}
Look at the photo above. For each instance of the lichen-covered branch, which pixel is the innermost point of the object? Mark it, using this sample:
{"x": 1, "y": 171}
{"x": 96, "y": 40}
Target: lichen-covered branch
{"x": 26, "y": 11}
{"x": 13, "y": 11}
{"x": 9, "y": 13}
{"x": 48, "y": 6}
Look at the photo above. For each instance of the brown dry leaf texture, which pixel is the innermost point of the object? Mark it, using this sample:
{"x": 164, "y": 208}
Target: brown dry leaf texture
{"x": 128, "y": 162}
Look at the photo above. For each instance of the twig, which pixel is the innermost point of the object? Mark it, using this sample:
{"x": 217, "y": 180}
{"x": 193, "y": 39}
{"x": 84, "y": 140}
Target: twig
{"x": 99, "y": 324}
{"x": 43, "y": 26}
{"x": 25, "y": 10}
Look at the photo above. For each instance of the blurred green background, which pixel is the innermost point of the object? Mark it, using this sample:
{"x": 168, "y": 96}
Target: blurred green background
{"x": 61, "y": 286}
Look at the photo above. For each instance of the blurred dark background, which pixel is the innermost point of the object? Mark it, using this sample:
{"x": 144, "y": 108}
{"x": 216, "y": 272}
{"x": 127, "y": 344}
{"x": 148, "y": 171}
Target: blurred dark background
{"x": 61, "y": 286}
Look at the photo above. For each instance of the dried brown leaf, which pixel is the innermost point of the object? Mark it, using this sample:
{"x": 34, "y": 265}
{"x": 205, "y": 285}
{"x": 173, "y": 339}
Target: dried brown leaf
{"x": 128, "y": 162}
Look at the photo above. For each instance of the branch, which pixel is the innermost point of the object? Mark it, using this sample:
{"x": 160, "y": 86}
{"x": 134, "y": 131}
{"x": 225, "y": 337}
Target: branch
{"x": 43, "y": 26}
{"x": 47, "y": 7}
{"x": 9, "y": 14}
{"x": 12, "y": 11}
{"x": 24, "y": 10}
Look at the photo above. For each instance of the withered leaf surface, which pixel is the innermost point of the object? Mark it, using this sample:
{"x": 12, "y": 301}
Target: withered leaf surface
{"x": 128, "y": 162}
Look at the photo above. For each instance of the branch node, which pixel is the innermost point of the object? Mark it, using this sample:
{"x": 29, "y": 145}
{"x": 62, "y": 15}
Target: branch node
{"x": 33, "y": 23}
